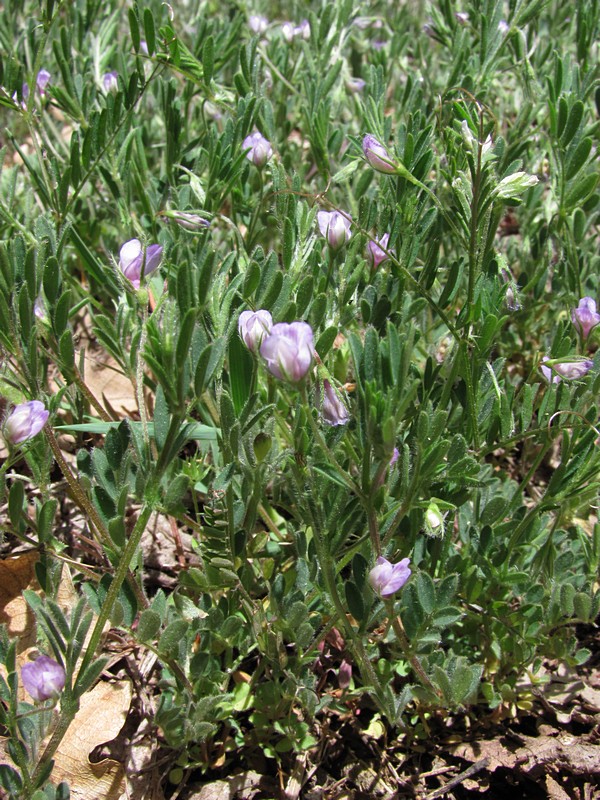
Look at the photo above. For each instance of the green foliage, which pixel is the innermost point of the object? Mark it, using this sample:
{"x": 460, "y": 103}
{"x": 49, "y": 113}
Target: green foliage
{"x": 460, "y": 452}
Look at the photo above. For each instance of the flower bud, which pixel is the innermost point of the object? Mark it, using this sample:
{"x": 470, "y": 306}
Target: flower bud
{"x": 355, "y": 85}
{"x": 303, "y": 30}
{"x": 287, "y": 31}
{"x": 39, "y": 308}
{"x": 42, "y": 80}
{"x": 135, "y": 261}
{"x": 288, "y": 350}
{"x": 187, "y": 220}
{"x": 110, "y": 81}
{"x": 335, "y": 227}
{"x": 43, "y": 678}
{"x": 585, "y": 317}
{"x": 25, "y": 421}
{"x": 334, "y": 411}
{"x": 262, "y": 445}
{"x": 258, "y": 23}
{"x": 377, "y": 156}
{"x": 571, "y": 370}
{"x": 514, "y": 185}
{"x": 259, "y": 149}
{"x": 253, "y": 326}
{"x": 387, "y": 578}
{"x": 376, "y": 254}
{"x": 434, "y": 520}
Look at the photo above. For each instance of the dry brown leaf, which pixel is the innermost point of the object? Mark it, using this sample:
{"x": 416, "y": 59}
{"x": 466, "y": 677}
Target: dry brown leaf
{"x": 107, "y": 383}
{"x": 535, "y": 755}
{"x": 243, "y": 785}
{"x": 100, "y": 717}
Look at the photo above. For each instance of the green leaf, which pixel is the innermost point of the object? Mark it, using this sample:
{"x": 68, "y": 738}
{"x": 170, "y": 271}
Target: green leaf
{"x": 172, "y": 636}
{"x": 148, "y": 625}
{"x": 149, "y": 32}
{"x": 425, "y": 592}
{"x": 576, "y": 160}
{"x": 354, "y": 600}
{"x": 241, "y": 370}
{"x": 573, "y": 122}
{"x": 16, "y": 497}
{"x": 134, "y": 29}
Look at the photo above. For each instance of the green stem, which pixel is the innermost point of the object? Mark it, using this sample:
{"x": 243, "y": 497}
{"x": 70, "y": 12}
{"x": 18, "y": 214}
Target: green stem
{"x": 410, "y": 656}
{"x": 320, "y": 439}
{"x": 114, "y": 588}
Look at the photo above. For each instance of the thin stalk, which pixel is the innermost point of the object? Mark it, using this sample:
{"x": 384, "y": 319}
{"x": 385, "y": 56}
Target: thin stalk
{"x": 325, "y": 448}
{"x": 412, "y": 659}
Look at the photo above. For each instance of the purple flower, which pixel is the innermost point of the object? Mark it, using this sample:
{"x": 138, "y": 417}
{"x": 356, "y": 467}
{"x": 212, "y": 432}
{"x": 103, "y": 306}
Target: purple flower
{"x": 387, "y": 578}
{"x": 253, "y": 326}
{"x": 377, "y": 155}
{"x": 462, "y": 17}
{"x": 334, "y": 411}
{"x": 585, "y": 317}
{"x": 42, "y": 81}
{"x": 258, "y": 23}
{"x": 355, "y": 85}
{"x": 25, "y": 421}
{"x": 376, "y": 254}
{"x": 135, "y": 261}
{"x": 110, "y": 81}
{"x": 335, "y": 227}
{"x": 288, "y": 350}
{"x": 395, "y": 457}
{"x": 259, "y": 149}
{"x": 571, "y": 370}
{"x": 43, "y": 678}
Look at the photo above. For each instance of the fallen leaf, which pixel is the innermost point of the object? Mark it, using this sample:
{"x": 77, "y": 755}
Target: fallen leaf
{"x": 100, "y": 717}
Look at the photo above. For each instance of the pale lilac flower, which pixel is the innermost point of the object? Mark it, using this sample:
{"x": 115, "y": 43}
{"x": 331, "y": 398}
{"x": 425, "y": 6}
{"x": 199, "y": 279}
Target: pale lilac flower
{"x": 376, "y": 254}
{"x": 42, "y": 81}
{"x": 571, "y": 370}
{"x": 503, "y": 27}
{"x": 395, "y": 457}
{"x": 144, "y": 47}
{"x": 335, "y": 227}
{"x": 288, "y": 350}
{"x": 110, "y": 81}
{"x": 43, "y": 678}
{"x": 303, "y": 29}
{"x": 135, "y": 261}
{"x": 585, "y": 317}
{"x": 355, "y": 85}
{"x": 259, "y": 149}
{"x": 253, "y": 326}
{"x": 258, "y": 23}
{"x": 462, "y": 17}
{"x": 39, "y": 309}
{"x": 387, "y": 578}
{"x": 25, "y": 421}
{"x": 377, "y": 155}
{"x": 288, "y": 32}
{"x": 333, "y": 410}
